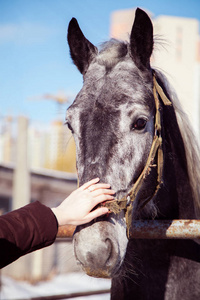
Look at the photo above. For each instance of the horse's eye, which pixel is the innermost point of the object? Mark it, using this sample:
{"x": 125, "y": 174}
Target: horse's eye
{"x": 139, "y": 124}
{"x": 69, "y": 126}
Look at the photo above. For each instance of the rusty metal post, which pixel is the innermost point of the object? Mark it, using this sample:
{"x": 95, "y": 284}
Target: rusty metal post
{"x": 153, "y": 229}
{"x": 65, "y": 231}
{"x": 172, "y": 229}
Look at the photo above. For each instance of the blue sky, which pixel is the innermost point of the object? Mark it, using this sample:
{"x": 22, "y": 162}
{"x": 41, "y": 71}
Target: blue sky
{"x": 34, "y": 56}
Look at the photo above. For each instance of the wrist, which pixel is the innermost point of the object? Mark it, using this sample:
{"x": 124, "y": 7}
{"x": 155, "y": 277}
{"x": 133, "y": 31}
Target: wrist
{"x": 61, "y": 217}
{"x": 56, "y": 214}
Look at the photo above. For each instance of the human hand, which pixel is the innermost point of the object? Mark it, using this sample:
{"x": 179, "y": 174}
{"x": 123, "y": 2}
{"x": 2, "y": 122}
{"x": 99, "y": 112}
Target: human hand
{"x": 76, "y": 208}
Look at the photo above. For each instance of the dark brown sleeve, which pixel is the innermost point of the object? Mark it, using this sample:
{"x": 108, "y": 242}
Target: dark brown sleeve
{"x": 24, "y": 230}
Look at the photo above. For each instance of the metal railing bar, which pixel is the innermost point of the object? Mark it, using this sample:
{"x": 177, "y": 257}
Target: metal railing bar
{"x": 153, "y": 229}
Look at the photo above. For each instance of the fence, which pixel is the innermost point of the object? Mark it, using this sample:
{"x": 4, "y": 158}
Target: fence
{"x": 146, "y": 229}
{"x": 153, "y": 229}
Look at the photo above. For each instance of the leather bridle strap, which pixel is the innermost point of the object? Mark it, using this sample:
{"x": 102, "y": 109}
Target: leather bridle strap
{"x": 156, "y": 152}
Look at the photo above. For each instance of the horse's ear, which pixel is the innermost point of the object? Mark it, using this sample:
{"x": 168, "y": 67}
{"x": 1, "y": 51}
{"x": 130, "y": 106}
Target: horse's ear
{"x": 81, "y": 50}
{"x": 141, "y": 40}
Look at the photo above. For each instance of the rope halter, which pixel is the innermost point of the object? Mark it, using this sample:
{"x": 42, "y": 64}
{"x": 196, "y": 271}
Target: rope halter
{"x": 126, "y": 203}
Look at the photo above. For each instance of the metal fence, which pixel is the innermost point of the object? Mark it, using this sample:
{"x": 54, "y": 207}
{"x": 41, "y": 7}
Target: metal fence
{"x": 153, "y": 229}
{"x": 146, "y": 229}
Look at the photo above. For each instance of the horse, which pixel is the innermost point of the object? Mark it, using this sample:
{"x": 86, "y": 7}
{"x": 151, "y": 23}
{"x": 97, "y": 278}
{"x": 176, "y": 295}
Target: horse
{"x": 131, "y": 132}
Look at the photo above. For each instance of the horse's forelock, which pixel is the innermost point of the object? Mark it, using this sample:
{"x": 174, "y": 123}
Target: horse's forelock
{"x": 112, "y": 52}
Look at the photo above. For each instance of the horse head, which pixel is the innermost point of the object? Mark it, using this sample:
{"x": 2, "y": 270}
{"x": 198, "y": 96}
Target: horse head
{"x": 112, "y": 121}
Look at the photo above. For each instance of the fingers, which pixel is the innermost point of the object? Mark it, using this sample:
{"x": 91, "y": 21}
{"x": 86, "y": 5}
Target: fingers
{"x": 96, "y": 213}
{"x": 102, "y": 198}
{"x": 93, "y": 185}
{"x": 99, "y": 186}
{"x": 89, "y": 183}
{"x": 102, "y": 191}
{"x": 95, "y": 193}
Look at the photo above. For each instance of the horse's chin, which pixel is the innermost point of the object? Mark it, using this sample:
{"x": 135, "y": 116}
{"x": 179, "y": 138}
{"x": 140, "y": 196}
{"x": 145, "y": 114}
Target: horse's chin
{"x": 105, "y": 272}
{"x": 98, "y": 273}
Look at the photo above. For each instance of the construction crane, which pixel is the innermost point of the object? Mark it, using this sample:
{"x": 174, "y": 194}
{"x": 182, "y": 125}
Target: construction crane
{"x": 60, "y": 98}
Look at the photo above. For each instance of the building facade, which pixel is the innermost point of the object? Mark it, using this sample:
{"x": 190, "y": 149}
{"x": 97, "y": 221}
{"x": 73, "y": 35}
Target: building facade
{"x": 29, "y": 171}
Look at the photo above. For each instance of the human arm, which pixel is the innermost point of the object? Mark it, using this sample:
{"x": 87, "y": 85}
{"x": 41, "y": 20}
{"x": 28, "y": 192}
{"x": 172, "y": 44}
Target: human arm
{"x": 35, "y": 226}
{"x": 24, "y": 230}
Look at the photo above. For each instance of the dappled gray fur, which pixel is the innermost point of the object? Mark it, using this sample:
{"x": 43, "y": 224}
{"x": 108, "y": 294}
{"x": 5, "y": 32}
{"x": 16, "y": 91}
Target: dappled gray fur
{"x": 112, "y": 120}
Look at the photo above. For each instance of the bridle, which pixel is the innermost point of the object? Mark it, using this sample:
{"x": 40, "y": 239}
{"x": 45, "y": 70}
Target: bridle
{"x": 155, "y": 154}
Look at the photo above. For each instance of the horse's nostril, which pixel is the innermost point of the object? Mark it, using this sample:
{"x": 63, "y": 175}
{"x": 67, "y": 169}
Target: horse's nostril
{"x": 98, "y": 258}
{"x": 109, "y": 245}
{"x": 110, "y": 252}
{"x": 98, "y": 255}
